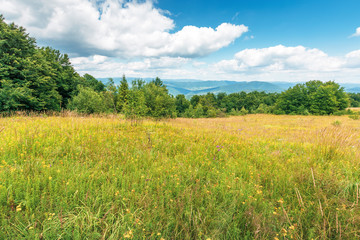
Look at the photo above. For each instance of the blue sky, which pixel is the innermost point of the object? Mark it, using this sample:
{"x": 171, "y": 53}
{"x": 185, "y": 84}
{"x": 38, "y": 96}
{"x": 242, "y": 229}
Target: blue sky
{"x": 280, "y": 40}
{"x": 324, "y": 24}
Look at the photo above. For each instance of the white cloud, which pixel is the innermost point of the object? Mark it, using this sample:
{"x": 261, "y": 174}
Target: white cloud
{"x": 357, "y": 33}
{"x": 281, "y": 58}
{"x": 115, "y": 28}
{"x": 278, "y": 63}
{"x": 101, "y": 66}
{"x": 353, "y": 59}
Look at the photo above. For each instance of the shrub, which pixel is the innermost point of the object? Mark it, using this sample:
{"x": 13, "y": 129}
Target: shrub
{"x": 88, "y": 101}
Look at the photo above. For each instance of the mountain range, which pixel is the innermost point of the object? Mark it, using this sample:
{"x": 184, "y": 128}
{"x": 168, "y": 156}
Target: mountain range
{"x": 190, "y": 87}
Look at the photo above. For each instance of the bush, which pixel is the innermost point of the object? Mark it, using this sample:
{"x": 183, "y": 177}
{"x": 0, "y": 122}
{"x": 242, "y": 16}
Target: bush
{"x": 243, "y": 112}
{"x": 88, "y": 101}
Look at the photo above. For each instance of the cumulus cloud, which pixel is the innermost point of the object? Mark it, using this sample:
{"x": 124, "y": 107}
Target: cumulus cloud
{"x": 353, "y": 59}
{"x": 357, "y": 32}
{"x": 278, "y": 63}
{"x": 281, "y": 58}
{"x": 101, "y": 66}
{"x": 117, "y": 28}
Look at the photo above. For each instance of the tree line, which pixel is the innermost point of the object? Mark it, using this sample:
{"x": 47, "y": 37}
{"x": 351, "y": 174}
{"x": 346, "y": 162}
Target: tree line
{"x": 41, "y": 78}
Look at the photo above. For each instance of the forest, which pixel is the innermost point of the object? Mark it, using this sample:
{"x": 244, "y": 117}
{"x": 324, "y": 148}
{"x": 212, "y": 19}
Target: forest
{"x": 36, "y": 78}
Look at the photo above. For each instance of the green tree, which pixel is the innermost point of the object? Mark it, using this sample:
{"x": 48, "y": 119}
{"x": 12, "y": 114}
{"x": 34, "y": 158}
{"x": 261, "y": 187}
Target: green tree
{"x": 158, "y": 82}
{"x": 111, "y": 95}
{"x": 158, "y": 101}
{"x": 123, "y": 91}
{"x": 194, "y": 100}
{"x": 96, "y": 85}
{"x": 181, "y": 104}
{"x": 354, "y": 99}
{"x": 313, "y": 97}
{"x": 87, "y": 101}
{"x": 44, "y": 77}
{"x": 135, "y": 108}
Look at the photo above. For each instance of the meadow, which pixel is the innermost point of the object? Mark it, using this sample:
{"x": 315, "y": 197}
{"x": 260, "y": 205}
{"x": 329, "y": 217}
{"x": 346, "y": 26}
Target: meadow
{"x": 249, "y": 177}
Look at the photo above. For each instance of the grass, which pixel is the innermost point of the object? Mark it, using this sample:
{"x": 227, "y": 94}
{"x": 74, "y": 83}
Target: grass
{"x": 250, "y": 177}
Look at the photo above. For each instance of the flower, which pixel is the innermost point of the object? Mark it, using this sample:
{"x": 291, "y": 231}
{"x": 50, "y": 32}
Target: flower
{"x": 18, "y": 208}
{"x": 128, "y": 234}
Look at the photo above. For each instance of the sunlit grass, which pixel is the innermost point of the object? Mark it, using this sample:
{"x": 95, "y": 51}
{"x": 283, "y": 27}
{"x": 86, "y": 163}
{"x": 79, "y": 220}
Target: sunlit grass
{"x": 257, "y": 176}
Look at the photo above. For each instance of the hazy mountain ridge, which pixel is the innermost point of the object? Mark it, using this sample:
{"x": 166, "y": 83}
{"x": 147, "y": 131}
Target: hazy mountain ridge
{"x": 190, "y": 87}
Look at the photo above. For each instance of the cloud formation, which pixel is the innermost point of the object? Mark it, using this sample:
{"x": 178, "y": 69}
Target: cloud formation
{"x": 124, "y": 29}
{"x": 281, "y": 58}
{"x": 277, "y": 63}
{"x": 357, "y": 32}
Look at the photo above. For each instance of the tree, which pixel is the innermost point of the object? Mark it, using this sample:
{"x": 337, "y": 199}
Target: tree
{"x": 158, "y": 101}
{"x": 93, "y": 83}
{"x": 181, "y": 104}
{"x": 60, "y": 70}
{"x": 313, "y": 97}
{"x": 123, "y": 91}
{"x": 194, "y": 100}
{"x": 87, "y": 101}
{"x": 354, "y": 99}
{"x": 111, "y": 95}
{"x": 158, "y": 82}
{"x": 44, "y": 78}
{"x": 135, "y": 107}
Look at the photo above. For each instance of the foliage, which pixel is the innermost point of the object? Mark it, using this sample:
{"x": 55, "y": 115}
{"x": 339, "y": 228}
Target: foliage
{"x": 158, "y": 102}
{"x": 88, "y": 101}
{"x": 91, "y": 82}
{"x": 123, "y": 91}
{"x": 354, "y": 99}
{"x": 135, "y": 108}
{"x": 45, "y": 78}
{"x": 181, "y": 104}
{"x": 313, "y": 97}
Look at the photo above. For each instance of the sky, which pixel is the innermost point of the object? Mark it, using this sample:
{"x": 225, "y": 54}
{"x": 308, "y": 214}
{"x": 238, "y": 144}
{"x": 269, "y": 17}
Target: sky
{"x": 243, "y": 40}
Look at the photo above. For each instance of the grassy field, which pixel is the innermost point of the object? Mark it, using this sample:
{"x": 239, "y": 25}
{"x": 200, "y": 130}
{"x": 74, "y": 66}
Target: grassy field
{"x": 250, "y": 177}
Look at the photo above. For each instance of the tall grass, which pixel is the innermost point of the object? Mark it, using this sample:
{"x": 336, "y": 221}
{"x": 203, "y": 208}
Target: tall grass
{"x": 250, "y": 177}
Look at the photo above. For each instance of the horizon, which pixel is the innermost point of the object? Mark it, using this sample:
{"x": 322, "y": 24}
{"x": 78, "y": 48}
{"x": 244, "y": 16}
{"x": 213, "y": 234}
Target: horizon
{"x": 244, "y": 41}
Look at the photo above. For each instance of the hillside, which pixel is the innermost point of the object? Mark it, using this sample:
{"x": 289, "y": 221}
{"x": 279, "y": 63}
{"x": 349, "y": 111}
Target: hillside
{"x": 225, "y": 178}
{"x": 190, "y": 87}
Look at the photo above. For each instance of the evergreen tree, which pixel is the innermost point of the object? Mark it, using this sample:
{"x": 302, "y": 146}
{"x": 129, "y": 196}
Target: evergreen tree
{"x": 123, "y": 91}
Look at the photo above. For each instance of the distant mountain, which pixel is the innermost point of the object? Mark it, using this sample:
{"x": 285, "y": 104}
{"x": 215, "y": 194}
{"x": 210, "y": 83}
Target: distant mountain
{"x": 190, "y": 87}
{"x": 353, "y": 90}
{"x": 233, "y": 87}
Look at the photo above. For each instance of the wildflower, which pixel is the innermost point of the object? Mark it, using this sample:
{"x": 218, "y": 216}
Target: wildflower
{"x": 50, "y": 178}
{"x": 128, "y": 234}
{"x": 18, "y": 208}
{"x": 158, "y": 234}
